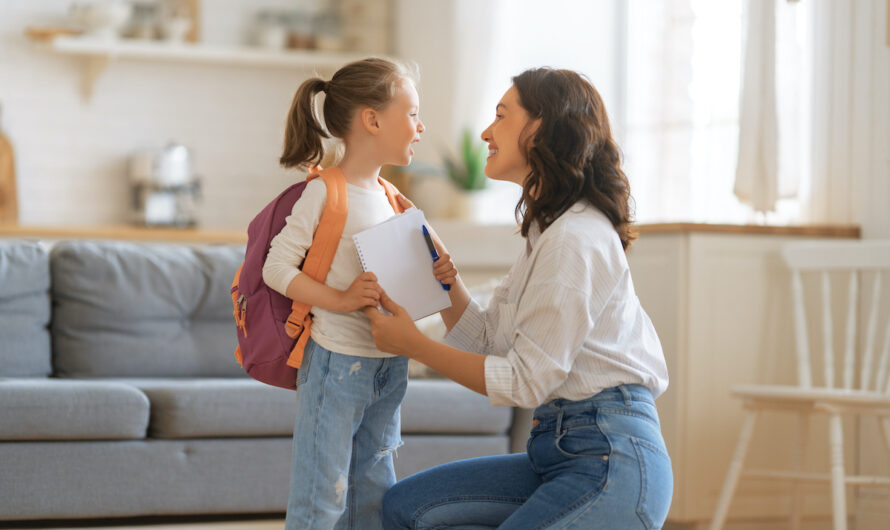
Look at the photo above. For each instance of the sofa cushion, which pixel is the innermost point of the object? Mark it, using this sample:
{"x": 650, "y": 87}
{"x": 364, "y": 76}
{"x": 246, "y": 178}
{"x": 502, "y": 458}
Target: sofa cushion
{"x": 24, "y": 309}
{"x": 59, "y": 409}
{"x": 445, "y": 407}
{"x": 237, "y": 407}
{"x": 143, "y": 310}
{"x": 216, "y": 407}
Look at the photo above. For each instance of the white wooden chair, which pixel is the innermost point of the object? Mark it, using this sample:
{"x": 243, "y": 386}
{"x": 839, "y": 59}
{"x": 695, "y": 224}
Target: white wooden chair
{"x": 862, "y": 388}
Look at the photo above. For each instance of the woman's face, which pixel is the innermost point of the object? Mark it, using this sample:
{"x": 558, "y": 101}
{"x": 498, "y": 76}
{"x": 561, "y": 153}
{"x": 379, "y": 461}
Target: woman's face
{"x": 506, "y": 159}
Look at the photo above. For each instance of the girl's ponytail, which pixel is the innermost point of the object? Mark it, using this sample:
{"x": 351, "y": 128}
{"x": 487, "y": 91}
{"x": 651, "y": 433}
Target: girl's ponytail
{"x": 303, "y": 133}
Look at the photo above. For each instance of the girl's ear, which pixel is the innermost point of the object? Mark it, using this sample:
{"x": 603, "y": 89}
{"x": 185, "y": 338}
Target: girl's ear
{"x": 369, "y": 120}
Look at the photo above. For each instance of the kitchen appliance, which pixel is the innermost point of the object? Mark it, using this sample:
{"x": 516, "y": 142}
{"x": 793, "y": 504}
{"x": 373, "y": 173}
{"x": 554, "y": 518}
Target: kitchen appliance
{"x": 164, "y": 191}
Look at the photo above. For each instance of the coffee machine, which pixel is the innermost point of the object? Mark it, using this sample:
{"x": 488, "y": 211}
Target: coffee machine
{"x": 164, "y": 191}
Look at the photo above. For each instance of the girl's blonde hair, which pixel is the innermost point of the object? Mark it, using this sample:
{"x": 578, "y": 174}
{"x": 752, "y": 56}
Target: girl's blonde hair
{"x": 369, "y": 82}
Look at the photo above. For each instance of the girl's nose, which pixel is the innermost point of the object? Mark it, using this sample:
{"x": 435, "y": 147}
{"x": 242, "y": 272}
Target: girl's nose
{"x": 420, "y": 127}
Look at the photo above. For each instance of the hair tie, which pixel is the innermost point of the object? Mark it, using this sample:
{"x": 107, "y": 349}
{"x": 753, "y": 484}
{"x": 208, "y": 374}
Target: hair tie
{"x": 327, "y": 84}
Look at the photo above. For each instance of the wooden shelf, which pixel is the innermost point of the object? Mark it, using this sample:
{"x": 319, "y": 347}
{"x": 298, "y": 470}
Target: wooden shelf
{"x": 191, "y": 52}
{"x": 843, "y": 231}
{"x": 100, "y": 52}
{"x": 488, "y": 243}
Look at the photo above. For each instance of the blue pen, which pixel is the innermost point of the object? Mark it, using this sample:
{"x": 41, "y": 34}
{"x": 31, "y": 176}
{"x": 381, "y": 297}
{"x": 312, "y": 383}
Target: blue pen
{"x": 433, "y": 253}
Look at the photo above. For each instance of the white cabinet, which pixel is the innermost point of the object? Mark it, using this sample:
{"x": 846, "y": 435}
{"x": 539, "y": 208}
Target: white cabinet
{"x": 721, "y": 304}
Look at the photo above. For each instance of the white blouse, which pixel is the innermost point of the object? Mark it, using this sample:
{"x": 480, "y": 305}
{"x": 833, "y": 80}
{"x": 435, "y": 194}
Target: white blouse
{"x": 565, "y": 322}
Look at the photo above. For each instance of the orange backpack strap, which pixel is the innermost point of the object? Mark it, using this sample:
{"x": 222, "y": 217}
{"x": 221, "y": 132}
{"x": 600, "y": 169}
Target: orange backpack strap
{"x": 391, "y": 193}
{"x": 320, "y": 255}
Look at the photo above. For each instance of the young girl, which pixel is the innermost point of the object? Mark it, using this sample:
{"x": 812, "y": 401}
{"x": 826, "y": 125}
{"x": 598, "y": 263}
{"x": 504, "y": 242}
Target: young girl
{"x": 348, "y": 393}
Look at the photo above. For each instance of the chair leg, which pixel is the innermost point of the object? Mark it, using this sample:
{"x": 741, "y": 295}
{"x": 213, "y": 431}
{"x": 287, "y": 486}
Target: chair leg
{"x": 838, "y": 490}
{"x": 735, "y": 471}
{"x": 799, "y": 453}
{"x": 885, "y": 430}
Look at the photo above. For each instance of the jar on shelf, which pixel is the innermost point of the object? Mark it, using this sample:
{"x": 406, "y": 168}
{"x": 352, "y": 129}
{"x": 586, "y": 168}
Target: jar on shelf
{"x": 270, "y": 30}
{"x": 144, "y": 21}
{"x": 327, "y": 31}
{"x": 302, "y": 31}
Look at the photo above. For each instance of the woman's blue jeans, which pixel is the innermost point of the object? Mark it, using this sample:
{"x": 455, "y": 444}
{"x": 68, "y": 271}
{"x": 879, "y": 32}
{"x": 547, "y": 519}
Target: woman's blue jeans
{"x": 346, "y": 430}
{"x": 598, "y": 463}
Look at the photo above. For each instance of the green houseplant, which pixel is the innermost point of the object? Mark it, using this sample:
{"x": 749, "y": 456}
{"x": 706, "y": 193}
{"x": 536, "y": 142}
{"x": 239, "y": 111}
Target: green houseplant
{"x": 466, "y": 171}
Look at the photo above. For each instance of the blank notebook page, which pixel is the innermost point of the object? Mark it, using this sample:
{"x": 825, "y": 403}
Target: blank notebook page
{"x": 396, "y": 252}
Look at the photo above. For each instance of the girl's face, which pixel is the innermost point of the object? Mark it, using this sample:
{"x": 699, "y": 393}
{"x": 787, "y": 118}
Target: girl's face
{"x": 400, "y": 124}
{"x": 506, "y": 160}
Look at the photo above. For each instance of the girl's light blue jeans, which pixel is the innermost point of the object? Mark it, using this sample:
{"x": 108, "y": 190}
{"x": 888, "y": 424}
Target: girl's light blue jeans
{"x": 598, "y": 463}
{"x": 347, "y": 427}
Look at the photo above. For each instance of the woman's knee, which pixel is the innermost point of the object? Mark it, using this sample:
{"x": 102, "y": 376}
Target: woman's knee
{"x": 395, "y": 512}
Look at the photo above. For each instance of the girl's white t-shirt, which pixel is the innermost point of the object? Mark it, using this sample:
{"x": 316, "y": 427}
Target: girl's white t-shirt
{"x": 348, "y": 333}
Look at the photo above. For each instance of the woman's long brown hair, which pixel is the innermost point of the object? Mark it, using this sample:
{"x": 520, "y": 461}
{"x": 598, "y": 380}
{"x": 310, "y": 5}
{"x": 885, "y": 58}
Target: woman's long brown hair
{"x": 572, "y": 154}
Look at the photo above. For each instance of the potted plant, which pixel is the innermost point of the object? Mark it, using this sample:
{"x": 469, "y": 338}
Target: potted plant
{"x": 466, "y": 173}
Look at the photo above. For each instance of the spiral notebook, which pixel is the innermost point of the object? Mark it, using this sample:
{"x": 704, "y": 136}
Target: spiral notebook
{"x": 396, "y": 252}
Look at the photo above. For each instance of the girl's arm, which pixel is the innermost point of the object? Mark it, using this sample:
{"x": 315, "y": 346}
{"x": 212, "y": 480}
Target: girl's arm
{"x": 445, "y": 271}
{"x": 397, "y": 334}
{"x": 363, "y": 292}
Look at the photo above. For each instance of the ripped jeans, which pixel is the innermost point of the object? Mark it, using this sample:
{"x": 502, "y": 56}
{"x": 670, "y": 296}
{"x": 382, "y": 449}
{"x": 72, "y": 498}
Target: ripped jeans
{"x": 347, "y": 427}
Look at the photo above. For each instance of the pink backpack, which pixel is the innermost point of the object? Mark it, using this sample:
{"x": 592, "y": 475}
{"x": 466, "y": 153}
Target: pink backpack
{"x": 272, "y": 329}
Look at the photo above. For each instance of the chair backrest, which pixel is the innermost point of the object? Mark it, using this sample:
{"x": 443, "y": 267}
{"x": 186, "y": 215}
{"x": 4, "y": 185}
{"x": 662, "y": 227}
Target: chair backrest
{"x": 862, "y": 267}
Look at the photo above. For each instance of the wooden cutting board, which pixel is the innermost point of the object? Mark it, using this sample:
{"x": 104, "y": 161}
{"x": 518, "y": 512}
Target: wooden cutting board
{"x": 8, "y": 199}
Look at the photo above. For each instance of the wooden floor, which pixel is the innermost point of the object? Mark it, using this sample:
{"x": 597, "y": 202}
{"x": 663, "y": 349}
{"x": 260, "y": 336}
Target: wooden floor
{"x": 215, "y": 523}
{"x": 236, "y": 525}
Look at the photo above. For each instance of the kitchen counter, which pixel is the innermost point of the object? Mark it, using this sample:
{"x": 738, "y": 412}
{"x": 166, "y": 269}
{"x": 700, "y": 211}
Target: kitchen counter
{"x": 451, "y": 226}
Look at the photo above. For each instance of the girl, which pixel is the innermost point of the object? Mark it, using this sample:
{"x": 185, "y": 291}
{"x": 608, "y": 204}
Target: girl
{"x": 348, "y": 393}
{"x": 564, "y": 334}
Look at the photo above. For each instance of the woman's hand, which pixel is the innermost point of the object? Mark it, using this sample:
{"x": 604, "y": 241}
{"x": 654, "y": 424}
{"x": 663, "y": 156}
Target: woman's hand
{"x": 363, "y": 292}
{"x": 397, "y": 333}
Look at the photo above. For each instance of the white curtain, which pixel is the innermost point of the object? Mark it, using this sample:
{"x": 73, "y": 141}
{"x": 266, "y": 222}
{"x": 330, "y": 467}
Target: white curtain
{"x": 757, "y": 172}
{"x": 680, "y": 136}
{"x": 809, "y": 134}
{"x": 775, "y": 105}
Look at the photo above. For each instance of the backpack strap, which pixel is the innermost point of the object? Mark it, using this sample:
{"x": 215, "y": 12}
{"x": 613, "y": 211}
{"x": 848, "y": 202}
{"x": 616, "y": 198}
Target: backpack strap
{"x": 391, "y": 193}
{"x": 320, "y": 255}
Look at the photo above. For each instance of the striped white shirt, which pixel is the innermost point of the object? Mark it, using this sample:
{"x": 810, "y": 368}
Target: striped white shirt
{"x": 565, "y": 322}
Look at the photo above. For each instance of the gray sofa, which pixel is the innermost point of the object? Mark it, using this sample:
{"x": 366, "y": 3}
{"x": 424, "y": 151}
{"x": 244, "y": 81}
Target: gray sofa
{"x": 120, "y": 395}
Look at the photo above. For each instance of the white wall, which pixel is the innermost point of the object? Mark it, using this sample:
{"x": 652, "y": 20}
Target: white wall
{"x": 71, "y": 153}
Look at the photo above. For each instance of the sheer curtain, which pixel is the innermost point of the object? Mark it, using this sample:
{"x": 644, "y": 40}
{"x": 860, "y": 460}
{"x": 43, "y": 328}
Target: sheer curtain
{"x": 683, "y": 141}
{"x": 681, "y": 130}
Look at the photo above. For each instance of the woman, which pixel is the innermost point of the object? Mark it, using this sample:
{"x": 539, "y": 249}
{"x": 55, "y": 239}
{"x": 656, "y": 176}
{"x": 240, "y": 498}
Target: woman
{"x": 564, "y": 334}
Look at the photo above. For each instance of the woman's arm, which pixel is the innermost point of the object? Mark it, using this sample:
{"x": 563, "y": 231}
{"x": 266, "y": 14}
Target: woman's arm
{"x": 397, "y": 334}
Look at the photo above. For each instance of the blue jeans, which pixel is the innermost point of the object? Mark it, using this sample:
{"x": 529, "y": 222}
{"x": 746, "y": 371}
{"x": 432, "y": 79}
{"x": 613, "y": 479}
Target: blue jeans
{"x": 598, "y": 463}
{"x": 346, "y": 429}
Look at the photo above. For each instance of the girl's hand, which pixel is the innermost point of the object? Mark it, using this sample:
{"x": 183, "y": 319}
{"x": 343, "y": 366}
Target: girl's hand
{"x": 397, "y": 333}
{"x": 364, "y": 292}
{"x": 404, "y": 202}
{"x": 443, "y": 268}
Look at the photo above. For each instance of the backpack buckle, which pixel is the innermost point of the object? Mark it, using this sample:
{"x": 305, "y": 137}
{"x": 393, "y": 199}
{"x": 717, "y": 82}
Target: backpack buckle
{"x": 240, "y": 312}
{"x": 293, "y": 327}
